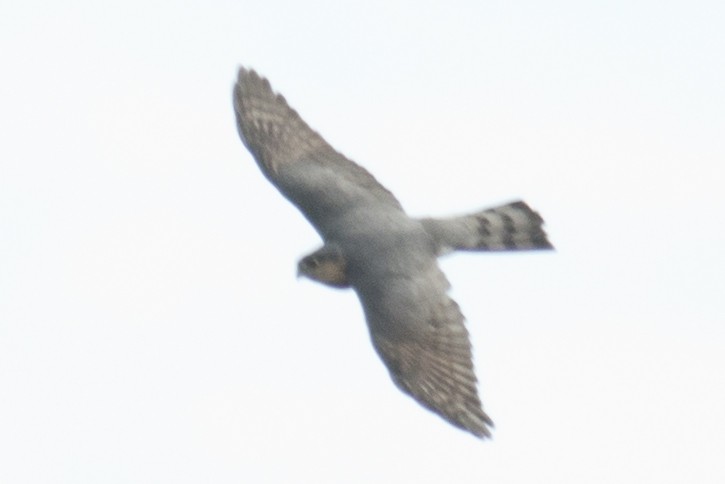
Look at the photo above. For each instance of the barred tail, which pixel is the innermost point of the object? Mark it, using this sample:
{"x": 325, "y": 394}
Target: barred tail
{"x": 514, "y": 226}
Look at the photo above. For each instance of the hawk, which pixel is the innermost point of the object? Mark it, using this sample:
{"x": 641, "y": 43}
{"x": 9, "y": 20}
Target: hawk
{"x": 386, "y": 256}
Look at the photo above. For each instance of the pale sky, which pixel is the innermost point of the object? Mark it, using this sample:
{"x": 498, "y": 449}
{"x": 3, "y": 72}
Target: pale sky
{"x": 152, "y": 329}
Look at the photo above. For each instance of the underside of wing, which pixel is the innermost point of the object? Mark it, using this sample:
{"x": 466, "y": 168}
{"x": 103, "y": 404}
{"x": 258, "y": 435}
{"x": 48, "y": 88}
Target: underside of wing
{"x": 296, "y": 159}
{"x": 429, "y": 358}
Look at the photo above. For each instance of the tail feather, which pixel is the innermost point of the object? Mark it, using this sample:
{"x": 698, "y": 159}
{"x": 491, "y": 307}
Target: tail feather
{"x": 514, "y": 226}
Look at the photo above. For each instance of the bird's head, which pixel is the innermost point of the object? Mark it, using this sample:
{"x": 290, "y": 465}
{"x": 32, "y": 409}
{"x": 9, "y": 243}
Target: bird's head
{"x": 326, "y": 265}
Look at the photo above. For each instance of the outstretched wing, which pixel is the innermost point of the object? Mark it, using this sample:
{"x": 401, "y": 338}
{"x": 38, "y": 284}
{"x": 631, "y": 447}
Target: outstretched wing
{"x": 418, "y": 331}
{"x": 321, "y": 182}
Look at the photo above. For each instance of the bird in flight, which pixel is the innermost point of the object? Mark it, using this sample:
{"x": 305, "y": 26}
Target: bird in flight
{"x": 386, "y": 256}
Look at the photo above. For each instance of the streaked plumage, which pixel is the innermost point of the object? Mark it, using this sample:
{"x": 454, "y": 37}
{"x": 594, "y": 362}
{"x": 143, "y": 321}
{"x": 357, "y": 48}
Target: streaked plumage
{"x": 387, "y": 257}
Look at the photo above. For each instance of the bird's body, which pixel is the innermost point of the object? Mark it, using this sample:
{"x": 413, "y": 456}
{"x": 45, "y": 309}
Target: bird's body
{"x": 387, "y": 257}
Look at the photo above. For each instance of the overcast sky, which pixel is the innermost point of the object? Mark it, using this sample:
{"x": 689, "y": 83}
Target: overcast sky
{"x": 152, "y": 329}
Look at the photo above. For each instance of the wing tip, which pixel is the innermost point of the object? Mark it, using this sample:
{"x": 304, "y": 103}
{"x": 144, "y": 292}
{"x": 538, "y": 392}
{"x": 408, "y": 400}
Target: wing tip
{"x": 471, "y": 419}
{"x": 248, "y": 80}
{"x": 250, "y": 84}
{"x": 482, "y": 427}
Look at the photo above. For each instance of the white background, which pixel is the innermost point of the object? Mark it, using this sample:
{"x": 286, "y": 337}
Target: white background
{"x": 152, "y": 329}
